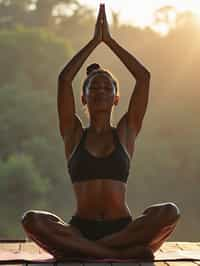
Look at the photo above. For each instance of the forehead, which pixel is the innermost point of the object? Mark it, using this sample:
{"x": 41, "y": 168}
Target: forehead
{"x": 101, "y": 78}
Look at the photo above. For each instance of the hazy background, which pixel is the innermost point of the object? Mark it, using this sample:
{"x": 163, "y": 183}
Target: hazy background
{"x": 36, "y": 39}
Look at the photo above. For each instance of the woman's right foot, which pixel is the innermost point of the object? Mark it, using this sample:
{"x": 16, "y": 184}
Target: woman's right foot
{"x": 138, "y": 252}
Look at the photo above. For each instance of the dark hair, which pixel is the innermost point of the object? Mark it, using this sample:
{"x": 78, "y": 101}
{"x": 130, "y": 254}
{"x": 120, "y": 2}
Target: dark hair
{"x": 94, "y": 69}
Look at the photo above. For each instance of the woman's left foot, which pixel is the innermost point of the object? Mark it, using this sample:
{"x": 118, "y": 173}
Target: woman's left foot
{"x": 138, "y": 252}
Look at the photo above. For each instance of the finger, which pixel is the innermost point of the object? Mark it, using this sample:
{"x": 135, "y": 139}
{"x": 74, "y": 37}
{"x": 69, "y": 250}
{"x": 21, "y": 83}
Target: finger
{"x": 100, "y": 16}
{"x": 104, "y": 19}
{"x": 99, "y": 12}
{"x": 102, "y": 5}
{"x": 104, "y": 14}
{"x": 103, "y": 9}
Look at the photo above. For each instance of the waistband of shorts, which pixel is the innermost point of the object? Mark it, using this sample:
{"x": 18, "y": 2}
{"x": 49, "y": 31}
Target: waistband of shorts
{"x": 89, "y": 220}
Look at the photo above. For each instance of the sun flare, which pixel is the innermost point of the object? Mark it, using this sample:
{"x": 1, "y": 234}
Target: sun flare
{"x": 142, "y": 13}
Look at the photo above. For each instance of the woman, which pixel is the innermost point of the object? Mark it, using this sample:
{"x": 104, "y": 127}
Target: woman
{"x": 98, "y": 162}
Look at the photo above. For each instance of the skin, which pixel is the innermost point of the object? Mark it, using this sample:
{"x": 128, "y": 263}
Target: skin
{"x": 100, "y": 198}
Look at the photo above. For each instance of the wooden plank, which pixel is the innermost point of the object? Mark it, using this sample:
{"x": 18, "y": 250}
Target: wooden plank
{"x": 32, "y": 247}
{"x": 124, "y": 264}
{"x": 188, "y": 246}
{"x": 16, "y": 247}
{"x": 169, "y": 246}
{"x": 12, "y": 265}
{"x": 10, "y": 246}
{"x": 154, "y": 263}
{"x": 181, "y": 263}
{"x": 160, "y": 263}
{"x": 186, "y": 242}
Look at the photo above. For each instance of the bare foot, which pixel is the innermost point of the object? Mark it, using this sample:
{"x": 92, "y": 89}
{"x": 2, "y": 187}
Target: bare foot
{"x": 138, "y": 252}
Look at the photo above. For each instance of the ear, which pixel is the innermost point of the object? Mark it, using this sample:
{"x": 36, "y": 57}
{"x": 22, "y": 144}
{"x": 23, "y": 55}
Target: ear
{"x": 116, "y": 100}
{"x": 83, "y": 99}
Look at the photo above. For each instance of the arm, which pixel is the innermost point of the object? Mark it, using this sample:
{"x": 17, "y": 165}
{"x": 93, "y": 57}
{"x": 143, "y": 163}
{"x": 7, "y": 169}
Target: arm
{"x": 134, "y": 66}
{"x": 65, "y": 99}
{"x": 68, "y": 121}
{"x": 70, "y": 70}
{"x": 139, "y": 99}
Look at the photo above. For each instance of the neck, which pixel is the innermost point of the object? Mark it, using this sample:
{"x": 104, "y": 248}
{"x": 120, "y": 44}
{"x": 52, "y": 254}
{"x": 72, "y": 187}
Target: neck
{"x": 100, "y": 123}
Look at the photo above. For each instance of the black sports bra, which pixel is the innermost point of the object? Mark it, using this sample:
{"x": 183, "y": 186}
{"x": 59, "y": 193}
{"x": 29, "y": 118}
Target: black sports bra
{"x": 84, "y": 166}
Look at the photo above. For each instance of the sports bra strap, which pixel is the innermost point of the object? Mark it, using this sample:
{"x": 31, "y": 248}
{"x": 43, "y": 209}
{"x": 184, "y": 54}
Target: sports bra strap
{"x": 83, "y": 136}
{"x": 115, "y": 136}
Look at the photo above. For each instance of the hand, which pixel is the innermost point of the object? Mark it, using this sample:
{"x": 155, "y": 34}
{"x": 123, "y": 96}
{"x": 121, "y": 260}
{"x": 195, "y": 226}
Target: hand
{"x": 98, "y": 33}
{"x": 105, "y": 28}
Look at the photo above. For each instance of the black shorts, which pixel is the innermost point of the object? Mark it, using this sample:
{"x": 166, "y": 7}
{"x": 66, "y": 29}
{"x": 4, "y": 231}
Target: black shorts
{"x": 96, "y": 229}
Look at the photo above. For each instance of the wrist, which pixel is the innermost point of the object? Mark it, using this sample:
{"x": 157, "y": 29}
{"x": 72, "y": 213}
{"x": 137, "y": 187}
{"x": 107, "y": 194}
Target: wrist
{"x": 95, "y": 41}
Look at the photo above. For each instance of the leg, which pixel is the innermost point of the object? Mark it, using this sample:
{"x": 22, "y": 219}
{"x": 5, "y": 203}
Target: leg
{"x": 150, "y": 229}
{"x": 61, "y": 239}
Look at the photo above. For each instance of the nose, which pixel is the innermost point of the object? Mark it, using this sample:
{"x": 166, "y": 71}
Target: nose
{"x": 101, "y": 90}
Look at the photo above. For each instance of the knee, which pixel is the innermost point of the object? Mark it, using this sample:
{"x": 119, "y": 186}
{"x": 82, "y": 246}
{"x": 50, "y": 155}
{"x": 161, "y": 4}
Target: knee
{"x": 29, "y": 220}
{"x": 170, "y": 213}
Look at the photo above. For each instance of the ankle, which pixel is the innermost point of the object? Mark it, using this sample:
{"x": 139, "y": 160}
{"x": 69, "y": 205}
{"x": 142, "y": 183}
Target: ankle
{"x": 137, "y": 252}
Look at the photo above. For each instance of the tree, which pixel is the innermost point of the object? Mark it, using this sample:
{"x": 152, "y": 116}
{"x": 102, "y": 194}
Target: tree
{"x": 21, "y": 187}
{"x": 35, "y": 13}
{"x": 38, "y": 55}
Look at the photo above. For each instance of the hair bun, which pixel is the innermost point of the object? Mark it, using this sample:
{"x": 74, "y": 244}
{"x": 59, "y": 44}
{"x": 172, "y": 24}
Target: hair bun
{"x": 92, "y": 67}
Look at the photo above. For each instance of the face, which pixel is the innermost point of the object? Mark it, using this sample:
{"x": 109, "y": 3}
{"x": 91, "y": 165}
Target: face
{"x": 100, "y": 93}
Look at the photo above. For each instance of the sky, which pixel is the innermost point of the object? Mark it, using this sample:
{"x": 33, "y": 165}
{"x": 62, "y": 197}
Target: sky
{"x": 141, "y": 12}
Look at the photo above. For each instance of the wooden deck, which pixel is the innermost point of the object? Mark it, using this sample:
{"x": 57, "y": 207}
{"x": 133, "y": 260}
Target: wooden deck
{"x": 192, "y": 247}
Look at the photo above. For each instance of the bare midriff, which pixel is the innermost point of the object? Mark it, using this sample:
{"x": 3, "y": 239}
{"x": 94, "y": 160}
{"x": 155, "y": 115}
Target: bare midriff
{"x": 101, "y": 199}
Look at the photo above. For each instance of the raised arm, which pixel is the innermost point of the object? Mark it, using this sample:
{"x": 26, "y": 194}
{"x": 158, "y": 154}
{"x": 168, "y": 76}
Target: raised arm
{"x": 139, "y": 99}
{"x": 68, "y": 120}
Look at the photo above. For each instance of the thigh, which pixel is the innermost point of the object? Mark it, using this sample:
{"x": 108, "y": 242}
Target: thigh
{"x": 153, "y": 225}
{"x": 44, "y": 222}
{"x": 45, "y": 228}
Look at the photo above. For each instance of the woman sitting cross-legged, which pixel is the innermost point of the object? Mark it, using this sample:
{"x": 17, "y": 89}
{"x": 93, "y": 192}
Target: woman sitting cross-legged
{"x": 98, "y": 160}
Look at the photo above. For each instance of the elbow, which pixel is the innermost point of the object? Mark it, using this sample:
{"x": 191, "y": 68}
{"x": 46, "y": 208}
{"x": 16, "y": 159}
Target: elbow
{"x": 60, "y": 77}
{"x": 146, "y": 76}
{"x": 63, "y": 79}
{"x": 144, "y": 79}
{"x": 63, "y": 75}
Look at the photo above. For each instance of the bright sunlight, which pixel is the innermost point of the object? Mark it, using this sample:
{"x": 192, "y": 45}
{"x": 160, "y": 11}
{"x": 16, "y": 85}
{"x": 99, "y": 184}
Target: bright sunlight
{"x": 142, "y": 13}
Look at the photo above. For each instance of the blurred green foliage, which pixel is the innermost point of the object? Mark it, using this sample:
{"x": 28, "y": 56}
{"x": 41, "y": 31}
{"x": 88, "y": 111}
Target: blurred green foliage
{"x": 34, "y": 46}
